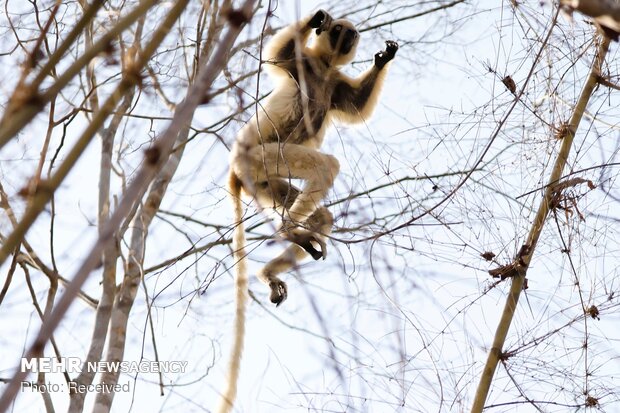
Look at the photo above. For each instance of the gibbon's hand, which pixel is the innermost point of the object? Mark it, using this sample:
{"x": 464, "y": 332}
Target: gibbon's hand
{"x": 386, "y": 55}
{"x": 321, "y": 21}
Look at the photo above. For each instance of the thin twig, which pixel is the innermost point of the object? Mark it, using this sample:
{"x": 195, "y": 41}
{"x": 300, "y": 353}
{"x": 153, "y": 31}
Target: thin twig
{"x": 15, "y": 117}
{"x": 413, "y": 16}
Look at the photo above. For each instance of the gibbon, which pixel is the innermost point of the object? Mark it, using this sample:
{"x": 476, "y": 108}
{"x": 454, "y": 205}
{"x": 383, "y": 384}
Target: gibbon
{"x": 281, "y": 143}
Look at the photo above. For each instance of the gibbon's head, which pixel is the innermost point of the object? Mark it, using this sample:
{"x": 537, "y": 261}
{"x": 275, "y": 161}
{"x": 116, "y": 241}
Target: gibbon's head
{"x": 338, "y": 43}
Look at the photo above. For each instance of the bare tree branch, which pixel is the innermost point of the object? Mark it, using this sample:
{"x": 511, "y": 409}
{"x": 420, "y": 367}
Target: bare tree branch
{"x": 524, "y": 257}
{"x": 155, "y": 158}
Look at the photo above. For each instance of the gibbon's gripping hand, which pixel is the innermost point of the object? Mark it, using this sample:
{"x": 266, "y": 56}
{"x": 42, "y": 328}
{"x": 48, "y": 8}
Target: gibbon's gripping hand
{"x": 384, "y": 56}
{"x": 321, "y": 21}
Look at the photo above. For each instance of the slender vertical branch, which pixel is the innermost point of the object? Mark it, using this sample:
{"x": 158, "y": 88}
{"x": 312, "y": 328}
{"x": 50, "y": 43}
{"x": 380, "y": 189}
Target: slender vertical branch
{"x": 109, "y": 259}
{"x": 134, "y": 271}
{"x": 523, "y": 260}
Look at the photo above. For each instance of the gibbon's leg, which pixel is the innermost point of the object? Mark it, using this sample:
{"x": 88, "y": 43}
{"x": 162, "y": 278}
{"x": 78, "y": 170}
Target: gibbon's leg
{"x": 278, "y": 194}
{"x": 318, "y": 170}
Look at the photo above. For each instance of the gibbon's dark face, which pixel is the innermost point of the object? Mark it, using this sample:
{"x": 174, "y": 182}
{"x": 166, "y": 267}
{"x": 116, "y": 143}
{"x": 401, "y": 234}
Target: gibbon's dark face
{"x": 342, "y": 37}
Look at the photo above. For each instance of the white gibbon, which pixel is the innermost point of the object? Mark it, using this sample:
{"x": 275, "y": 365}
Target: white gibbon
{"x": 281, "y": 143}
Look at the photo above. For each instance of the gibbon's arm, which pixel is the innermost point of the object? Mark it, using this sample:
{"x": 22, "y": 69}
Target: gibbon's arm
{"x": 280, "y": 51}
{"x": 354, "y": 100}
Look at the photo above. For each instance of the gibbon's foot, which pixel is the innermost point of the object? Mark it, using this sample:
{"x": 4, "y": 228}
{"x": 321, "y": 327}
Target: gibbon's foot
{"x": 279, "y": 292}
{"x": 384, "y": 56}
{"x": 321, "y": 21}
{"x": 304, "y": 239}
{"x": 305, "y": 242}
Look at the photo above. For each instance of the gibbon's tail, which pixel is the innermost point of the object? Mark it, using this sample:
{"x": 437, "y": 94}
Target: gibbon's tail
{"x": 241, "y": 297}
